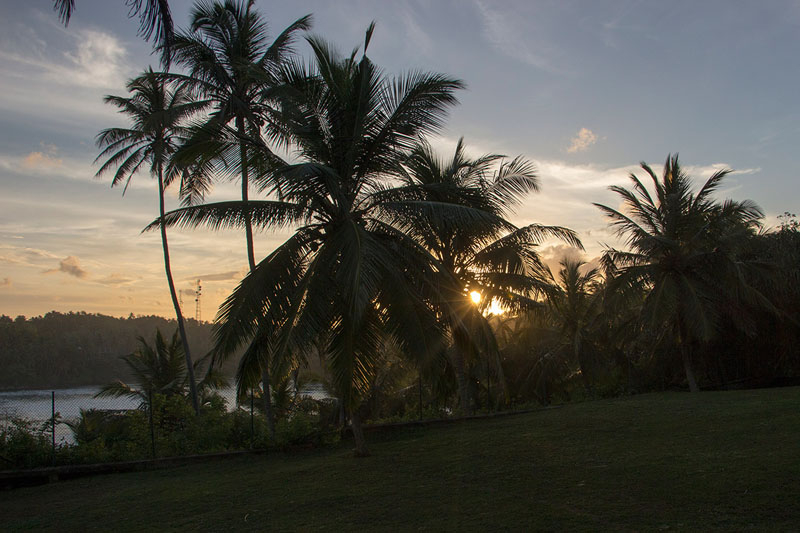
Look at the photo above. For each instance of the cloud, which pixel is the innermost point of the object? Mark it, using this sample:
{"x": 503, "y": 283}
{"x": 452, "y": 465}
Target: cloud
{"x": 36, "y": 160}
{"x": 552, "y": 256}
{"x": 46, "y": 158}
{"x": 115, "y": 279}
{"x": 19, "y": 255}
{"x": 582, "y": 141}
{"x": 99, "y": 59}
{"x": 413, "y": 32}
{"x": 6, "y": 282}
{"x": 511, "y": 36}
{"x": 82, "y": 57}
{"x": 231, "y": 275}
{"x": 70, "y": 265}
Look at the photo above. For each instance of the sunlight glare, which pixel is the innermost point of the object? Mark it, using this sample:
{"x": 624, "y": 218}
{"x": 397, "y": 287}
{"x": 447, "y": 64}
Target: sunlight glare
{"x": 476, "y": 297}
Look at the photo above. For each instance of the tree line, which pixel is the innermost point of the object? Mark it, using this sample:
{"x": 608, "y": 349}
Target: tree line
{"x": 61, "y": 350}
{"x": 397, "y": 252}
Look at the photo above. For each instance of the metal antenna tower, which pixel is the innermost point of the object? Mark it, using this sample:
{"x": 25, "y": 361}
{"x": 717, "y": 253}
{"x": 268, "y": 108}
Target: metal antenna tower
{"x": 197, "y": 293}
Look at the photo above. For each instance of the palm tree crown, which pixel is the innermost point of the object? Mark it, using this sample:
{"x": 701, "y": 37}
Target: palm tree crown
{"x": 486, "y": 254}
{"x": 683, "y": 251}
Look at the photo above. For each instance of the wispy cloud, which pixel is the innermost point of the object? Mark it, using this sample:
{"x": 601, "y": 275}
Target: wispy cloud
{"x": 511, "y": 37}
{"x": 413, "y": 34}
{"x": 70, "y": 265}
{"x": 24, "y": 256}
{"x": 93, "y": 59}
{"x": 231, "y": 275}
{"x": 582, "y": 141}
{"x": 115, "y": 279}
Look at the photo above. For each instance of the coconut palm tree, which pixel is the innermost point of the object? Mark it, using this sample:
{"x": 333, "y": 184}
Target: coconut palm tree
{"x": 489, "y": 257}
{"x": 158, "y": 369}
{"x": 573, "y": 305}
{"x": 348, "y": 274}
{"x": 157, "y": 112}
{"x": 684, "y": 252}
{"x": 230, "y": 62}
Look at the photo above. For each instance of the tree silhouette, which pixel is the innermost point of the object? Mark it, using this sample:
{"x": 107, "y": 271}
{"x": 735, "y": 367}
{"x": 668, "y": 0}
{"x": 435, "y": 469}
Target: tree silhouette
{"x": 348, "y": 273}
{"x": 684, "y": 251}
{"x": 230, "y": 63}
{"x": 487, "y": 255}
{"x": 156, "y": 112}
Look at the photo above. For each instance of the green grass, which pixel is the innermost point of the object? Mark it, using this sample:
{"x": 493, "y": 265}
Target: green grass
{"x": 717, "y": 460}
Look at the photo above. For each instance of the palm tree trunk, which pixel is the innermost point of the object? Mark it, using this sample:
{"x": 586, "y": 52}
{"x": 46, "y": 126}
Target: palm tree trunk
{"x": 460, "y": 347}
{"x": 687, "y": 367}
{"x": 174, "y": 295}
{"x": 686, "y": 357}
{"x": 267, "y": 398}
{"x": 358, "y": 434}
{"x": 251, "y": 259}
{"x": 463, "y": 384}
{"x": 248, "y": 222}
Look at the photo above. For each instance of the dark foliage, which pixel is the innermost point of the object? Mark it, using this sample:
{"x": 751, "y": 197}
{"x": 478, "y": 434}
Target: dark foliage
{"x": 61, "y": 350}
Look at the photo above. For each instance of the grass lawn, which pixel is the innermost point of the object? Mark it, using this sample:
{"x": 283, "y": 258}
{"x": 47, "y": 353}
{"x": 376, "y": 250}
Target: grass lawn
{"x": 716, "y": 460}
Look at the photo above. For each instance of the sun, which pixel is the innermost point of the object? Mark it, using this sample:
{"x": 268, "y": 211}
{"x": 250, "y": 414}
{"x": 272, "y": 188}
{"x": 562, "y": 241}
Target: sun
{"x": 476, "y": 297}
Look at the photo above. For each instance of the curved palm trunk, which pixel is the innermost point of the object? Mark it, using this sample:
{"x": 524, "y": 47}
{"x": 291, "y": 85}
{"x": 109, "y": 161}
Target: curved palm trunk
{"x": 174, "y": 295}
{"x": 251, "y": 259}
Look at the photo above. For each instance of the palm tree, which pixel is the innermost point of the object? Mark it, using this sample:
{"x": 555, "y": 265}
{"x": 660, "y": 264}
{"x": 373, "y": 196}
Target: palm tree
{"x": 155, "y": 18}
{"x": 158, "y": 369}
{"x": 156, "y": 112}
{"x": 231, "y": 64}
{"x": 348, "y": 274}
{"x": 489, "y": 256}
{"x": 684, "y": 252}
{"x": 573, "y": 305}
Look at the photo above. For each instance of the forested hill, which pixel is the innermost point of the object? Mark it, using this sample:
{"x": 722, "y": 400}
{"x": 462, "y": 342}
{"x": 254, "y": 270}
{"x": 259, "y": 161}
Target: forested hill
{"x": 60, "y": 350}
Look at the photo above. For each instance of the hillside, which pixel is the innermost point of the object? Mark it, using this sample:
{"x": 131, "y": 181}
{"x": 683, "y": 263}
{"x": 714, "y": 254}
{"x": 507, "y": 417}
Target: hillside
{"x": 61, "y": 350}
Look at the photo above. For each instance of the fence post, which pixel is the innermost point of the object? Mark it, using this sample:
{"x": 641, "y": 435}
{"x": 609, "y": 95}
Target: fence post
{"x": 488, "y": 389}
{"x": 152, "y": 425}
{"x": 252, "y": 424}
{"x": 53, "y": 421}
{"x": 420, "y": 396}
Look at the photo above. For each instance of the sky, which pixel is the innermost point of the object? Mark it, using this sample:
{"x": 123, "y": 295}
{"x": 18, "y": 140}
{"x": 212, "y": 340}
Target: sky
{"x": 584, "y": 89}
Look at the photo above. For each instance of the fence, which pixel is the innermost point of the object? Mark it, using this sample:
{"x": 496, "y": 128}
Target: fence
{"x": 72, "y": 426}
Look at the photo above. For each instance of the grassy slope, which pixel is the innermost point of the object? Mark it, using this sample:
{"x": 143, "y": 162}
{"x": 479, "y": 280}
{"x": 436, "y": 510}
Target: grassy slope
{"x": 725, "y": 460}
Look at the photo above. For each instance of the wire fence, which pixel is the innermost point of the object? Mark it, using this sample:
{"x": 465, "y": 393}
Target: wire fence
{"x": 72, "y": 426}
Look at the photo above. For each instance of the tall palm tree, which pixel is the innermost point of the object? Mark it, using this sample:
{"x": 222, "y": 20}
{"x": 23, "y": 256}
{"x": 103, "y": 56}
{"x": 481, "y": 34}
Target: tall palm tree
{"x": 230, "y": 62}
{"x": 157, "y": 112}
{"x": 348, "y": 274}
{"x": 684, "y": 251}
{"x": 489, "y": 256}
